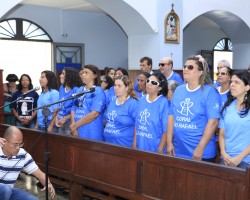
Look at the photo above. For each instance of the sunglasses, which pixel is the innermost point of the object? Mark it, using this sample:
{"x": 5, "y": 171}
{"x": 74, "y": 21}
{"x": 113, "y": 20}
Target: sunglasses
{"x": 163, "y": 64}
{"x": 189, "y": 67}
{"x": 221, "y": 73}
{"x": 153, "y": 82}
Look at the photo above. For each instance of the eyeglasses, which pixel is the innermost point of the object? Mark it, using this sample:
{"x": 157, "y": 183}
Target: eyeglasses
{"x": 189, "y": 67}
{"x": 153, "y": 82}
{"x": 16, "y": 144}
{"x": 221, "y": 73}
{"x": 163, "y": 64}
{"x": 103, "y": 81}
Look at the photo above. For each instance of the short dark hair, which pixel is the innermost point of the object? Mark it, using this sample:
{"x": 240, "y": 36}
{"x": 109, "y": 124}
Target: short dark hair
{"x": 124, "y": 71}
{"x": 12, "y": 78}
{"x": 96, "y": 71}
{"x": 109, "y": 82}
{"x": 148, "y": 59}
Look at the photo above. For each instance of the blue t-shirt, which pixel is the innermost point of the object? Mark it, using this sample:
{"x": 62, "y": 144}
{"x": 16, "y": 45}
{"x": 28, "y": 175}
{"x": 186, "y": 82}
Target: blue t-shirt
{"x": 176, "y": 77}
{"x": 151, "y": 122}
{"x": 120, "y": 124}
{"x": 65, "y": 107}
{"x": 28, "y": 102}
{"x": 50, "y": 96}
{"x": 223, "y": 96}
{"x": 86, "y": 103}
{"x": 237, "y": 131}
{"x": 110, "y": 95}
{"x": 191, "y": 110}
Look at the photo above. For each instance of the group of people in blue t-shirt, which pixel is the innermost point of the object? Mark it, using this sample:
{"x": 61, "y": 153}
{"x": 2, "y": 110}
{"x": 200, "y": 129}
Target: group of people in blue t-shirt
{"x": 112, "y": 109}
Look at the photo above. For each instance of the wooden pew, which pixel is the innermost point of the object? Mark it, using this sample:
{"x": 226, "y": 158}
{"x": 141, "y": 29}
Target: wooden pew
{"x": 82, "y": 165}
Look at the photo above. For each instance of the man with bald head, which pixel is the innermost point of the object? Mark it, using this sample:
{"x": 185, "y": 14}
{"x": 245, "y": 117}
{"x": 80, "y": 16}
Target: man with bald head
{"x": 166, "y": 67}
{"x": 13, "y": 159}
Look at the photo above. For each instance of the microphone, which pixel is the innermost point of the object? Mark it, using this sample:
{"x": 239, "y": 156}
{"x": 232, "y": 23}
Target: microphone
{"x": 83, "y": 92}
{"x": 34, "y": 89}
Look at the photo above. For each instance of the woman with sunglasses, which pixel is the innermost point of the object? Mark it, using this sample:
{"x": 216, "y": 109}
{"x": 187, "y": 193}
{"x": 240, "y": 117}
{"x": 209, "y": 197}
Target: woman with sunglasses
{"x": 120, "y": 114}
{"x": 194, "y": 115}
{"x": 70, "y": 82}
{"x": 152, "y": 112}
{"x": 87, "y": 113}
{"x": 234, "y": 132}
{"x": 223, "y": 78}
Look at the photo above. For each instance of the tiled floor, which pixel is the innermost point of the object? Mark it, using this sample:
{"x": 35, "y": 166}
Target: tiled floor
{"x": 29, "y": 184}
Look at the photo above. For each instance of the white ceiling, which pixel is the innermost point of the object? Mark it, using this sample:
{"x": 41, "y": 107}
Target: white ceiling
{"x": 64, "y": 4}
{"x": 214, "y": 19}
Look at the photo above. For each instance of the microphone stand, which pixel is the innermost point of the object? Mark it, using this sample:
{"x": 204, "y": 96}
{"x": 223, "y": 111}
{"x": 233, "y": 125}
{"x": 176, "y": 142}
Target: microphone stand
{"x": 19, "y": 98}
{"x": 46, "y": 113}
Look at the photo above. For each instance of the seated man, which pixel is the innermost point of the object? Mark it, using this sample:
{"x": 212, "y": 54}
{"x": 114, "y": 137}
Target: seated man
{"x": 13, "y": 159}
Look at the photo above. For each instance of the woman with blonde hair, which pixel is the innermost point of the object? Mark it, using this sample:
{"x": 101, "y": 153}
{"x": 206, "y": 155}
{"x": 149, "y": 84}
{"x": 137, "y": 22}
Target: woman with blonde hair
{"x": 120, "y": 114}
{"x": 194, "y": 114}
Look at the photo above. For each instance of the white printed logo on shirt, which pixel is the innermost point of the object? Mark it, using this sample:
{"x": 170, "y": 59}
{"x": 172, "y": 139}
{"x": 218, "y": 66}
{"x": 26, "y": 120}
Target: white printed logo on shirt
{"x": 144, "y": 115}
{"x": 185, "y": 107}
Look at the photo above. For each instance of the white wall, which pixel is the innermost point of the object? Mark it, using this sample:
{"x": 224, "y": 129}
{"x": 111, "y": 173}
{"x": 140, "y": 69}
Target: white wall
{"x": 153, "y": 45}
{"x": 241, "y": 53}
{"x": 105, "y": 42}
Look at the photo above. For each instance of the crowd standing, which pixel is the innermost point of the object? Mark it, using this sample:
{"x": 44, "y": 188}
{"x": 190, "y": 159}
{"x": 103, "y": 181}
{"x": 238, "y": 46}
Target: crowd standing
{"x": 160, "y": 111}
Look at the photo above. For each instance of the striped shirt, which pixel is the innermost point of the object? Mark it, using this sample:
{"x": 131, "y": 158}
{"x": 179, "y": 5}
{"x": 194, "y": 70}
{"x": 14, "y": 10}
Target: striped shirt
{"x": 10, "y": 168}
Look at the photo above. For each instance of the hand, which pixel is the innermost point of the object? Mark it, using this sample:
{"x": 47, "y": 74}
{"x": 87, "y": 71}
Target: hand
{"x": 160, "y": 150}
{"x": 226, "y": 158}
{"x": 75, "y": 133}
{"x": 2, "y": 142}
{"x": 235, "y": 161}
{"x": 73, "y": 127}
{"x": 51, "y": 190}
{"x": 170, "y": 149}
{"x": 198, "y": 152}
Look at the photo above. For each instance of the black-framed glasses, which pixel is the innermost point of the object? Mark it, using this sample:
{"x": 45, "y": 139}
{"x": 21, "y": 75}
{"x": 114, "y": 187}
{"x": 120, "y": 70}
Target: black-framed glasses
{"x": 189, "y": 67}
{"x": 153, "y": 82}
{"x": 163, "y": 64}
{"x": 16, "y": 144}
{"x": 221, "y": 73}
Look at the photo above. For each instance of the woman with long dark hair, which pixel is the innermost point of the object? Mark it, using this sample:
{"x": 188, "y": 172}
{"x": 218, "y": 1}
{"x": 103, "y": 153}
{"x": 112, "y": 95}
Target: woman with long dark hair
{"x": 194, "y": 114}
{"x": 70, "y": 82}
{"x": 48, "y": 95}
{"x": 27, "y": 102}
{"x": 234, "y": 135}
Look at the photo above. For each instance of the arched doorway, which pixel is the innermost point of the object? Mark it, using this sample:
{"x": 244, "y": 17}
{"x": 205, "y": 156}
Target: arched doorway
{"x": 204, "y": 31}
